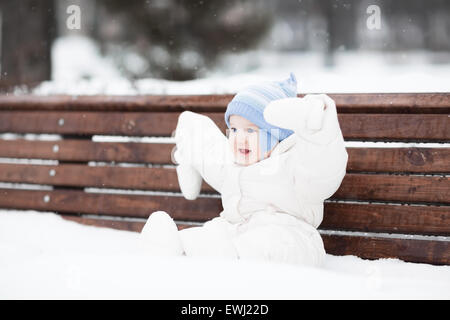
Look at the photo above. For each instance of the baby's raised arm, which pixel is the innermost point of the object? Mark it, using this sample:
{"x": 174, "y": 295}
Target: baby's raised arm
{"x": 201, "y": 144}
{"x": 319, "y": 160}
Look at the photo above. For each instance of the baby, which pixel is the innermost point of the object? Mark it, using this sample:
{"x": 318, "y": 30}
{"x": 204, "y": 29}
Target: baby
{"x": 281, "y": 158}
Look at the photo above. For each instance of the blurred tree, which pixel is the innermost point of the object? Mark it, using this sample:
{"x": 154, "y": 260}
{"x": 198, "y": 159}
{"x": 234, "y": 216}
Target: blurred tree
{"x": 340, "y": 16}
{"x": 178, "y": 39}
{"x": 27, "y": 31}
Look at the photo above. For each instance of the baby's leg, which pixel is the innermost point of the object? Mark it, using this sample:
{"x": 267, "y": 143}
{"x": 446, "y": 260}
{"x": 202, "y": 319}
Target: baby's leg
{"x": 277, "y": 243}
{"x": 213, "y": 239}
{"x": 160, "y": 235}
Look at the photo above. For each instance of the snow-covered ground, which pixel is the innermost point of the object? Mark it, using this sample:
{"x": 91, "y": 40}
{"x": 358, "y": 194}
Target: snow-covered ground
{"x": 79, "y": 68}
{"x": 43, "y": 256}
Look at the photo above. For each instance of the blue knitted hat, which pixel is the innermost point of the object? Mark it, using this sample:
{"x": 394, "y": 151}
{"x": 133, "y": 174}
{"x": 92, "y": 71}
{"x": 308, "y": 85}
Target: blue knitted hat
{"x": 251, "y": 102}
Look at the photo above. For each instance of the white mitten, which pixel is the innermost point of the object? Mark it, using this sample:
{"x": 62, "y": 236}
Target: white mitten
{"x": 297, "y": 114}
{"x": 314, "y": 120}
{"x": 189, "y": 179}
{"x": 313, "y": 117}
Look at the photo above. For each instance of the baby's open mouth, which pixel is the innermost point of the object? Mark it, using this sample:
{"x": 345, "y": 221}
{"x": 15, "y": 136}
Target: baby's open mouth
{"x": 244, "y": 151}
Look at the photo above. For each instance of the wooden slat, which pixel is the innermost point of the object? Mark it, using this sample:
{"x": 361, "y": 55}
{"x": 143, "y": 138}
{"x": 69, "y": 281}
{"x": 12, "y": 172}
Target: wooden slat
{"x": 411, "y": 250}
{"x": 392, "y": 102}
{"x": 355, "y": 186}
{"x": 130, "y": 205}
{"x": 403, "y": 188}
{"x": 390, "y": 127}
{"x": 395, "y": 127}
{"x": 85, "y": 150}
{"x": 346, "y": 102}
{"x": 89, "y": 123}
{"x": 407, "y": 219}
{"x": 96, "y": 123}
{"x": 420, "y": 160}
{"x": 75, "y": 175}
{"x": 153, "y": 103}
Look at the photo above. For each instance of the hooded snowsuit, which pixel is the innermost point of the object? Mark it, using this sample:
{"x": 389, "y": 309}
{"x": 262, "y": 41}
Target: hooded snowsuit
{"x": 272, "y": 208}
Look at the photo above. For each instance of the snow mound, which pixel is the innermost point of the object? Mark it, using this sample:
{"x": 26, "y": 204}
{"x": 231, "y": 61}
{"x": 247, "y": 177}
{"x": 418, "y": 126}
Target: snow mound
{"x": 43, "y": 256}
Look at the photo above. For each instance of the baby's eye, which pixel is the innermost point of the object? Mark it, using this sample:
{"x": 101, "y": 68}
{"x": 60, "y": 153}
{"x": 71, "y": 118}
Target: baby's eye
{"x": 233, "y": 129}
{"x": 250, "y": 130}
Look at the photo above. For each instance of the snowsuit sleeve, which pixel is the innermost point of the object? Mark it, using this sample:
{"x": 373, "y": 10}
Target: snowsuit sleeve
{"x": 200, "y": 143}
{"x": 319, "y": 159}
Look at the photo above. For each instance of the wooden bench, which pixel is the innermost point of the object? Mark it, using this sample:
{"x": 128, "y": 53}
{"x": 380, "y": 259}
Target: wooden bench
{"x": 393, "y": 202}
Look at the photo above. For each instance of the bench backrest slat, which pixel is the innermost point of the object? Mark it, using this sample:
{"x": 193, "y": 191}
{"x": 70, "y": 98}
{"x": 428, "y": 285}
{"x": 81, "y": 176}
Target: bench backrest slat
{"x": 355, "y": 186}
{"x": 413, "y": 159}
{"x": 431, "y": 251}
{"x": 386, "y": 127}
{"x": 109, "y": 204}
{"x": 428, "y": 103}
{"x": 87, "y": 150}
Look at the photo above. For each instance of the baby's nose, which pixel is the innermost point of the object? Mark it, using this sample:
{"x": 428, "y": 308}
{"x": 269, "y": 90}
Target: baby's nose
{"x": 242, "y": 135}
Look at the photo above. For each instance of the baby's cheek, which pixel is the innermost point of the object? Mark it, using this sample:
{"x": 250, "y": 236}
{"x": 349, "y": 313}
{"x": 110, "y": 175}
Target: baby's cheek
{"x": 254, "y": 143}
{"x": 232, "y": 143}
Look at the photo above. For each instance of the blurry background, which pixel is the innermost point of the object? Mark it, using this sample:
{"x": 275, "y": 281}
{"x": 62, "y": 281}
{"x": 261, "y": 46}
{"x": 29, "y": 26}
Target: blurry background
{"x": 217, "y": 46}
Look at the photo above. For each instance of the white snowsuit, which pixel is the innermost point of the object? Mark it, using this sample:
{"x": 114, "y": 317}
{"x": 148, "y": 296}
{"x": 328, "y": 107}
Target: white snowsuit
{"x": 272, "y": 208}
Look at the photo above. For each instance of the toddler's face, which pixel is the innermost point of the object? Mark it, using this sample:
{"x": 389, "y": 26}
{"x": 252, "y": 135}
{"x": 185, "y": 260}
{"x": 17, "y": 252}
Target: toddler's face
{"x": 243, "y": 137}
